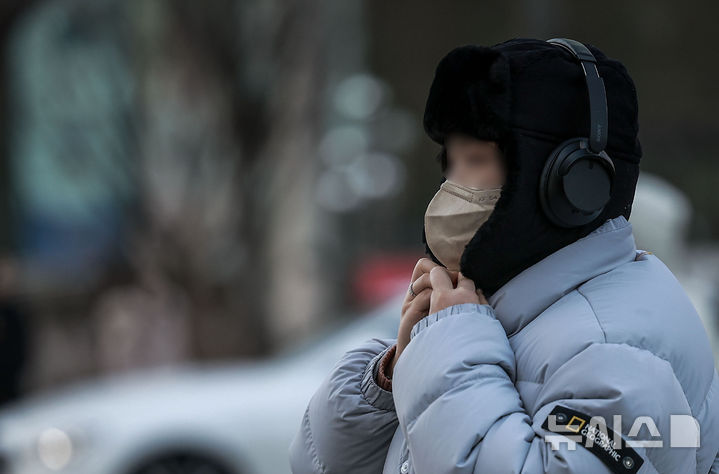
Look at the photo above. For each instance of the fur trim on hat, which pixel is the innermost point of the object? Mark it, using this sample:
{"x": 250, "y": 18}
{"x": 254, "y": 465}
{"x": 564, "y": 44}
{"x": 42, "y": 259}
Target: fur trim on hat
{"x": 469, "y": 94}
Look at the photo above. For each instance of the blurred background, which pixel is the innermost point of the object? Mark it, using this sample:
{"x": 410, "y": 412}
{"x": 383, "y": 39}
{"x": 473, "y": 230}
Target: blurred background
{"x": 203, "y": 203}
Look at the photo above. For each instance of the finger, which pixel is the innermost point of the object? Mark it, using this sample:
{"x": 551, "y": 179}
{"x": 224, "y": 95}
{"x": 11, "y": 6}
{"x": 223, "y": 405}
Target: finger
{"x": 419, "y": 307}
{"x": 464, "y": 282}
{"x": 424, "y": 265}
{"x": 421, "y": 283}
{"x": 453, "y": 274}
{"x": 439, "y": 278}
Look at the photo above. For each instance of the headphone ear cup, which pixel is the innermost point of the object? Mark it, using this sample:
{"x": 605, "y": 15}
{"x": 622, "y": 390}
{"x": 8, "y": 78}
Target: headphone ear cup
{"x": 575, "y": 184}
{"x": 588, "y": 183}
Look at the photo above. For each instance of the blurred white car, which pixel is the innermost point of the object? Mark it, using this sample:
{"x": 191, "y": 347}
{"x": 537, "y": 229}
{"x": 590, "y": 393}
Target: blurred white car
{"x": 195, "y": 419}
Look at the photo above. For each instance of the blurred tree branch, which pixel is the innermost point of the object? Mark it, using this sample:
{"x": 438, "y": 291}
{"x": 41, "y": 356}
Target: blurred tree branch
{"x": 206, "y": 137}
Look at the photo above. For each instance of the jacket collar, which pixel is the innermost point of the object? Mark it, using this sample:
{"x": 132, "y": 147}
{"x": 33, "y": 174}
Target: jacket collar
{"x": 533, "y": 290}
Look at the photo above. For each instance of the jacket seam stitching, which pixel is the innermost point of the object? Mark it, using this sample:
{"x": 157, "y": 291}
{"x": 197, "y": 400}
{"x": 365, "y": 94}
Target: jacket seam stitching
{"x": 468, "y": 382}
{"x": 674, "y": 374}
{"x": 445, "y": 313}
{"x": 529, "y": 381}
{"x": 696, "y": 454}
{"x": 706, "y": 399}
{"x": 660, "y": 358}
{"x": 311, "y": 443}
{"x": 711, "y": 384}
{"x": 641, "y": 349}
{"x": 594, "y": 313}
{"x": 646, "y": 458}
{"x": 635, "y": 347}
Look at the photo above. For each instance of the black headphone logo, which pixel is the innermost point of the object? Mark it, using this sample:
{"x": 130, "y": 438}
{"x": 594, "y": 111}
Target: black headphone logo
{"x": 578, "y": 177}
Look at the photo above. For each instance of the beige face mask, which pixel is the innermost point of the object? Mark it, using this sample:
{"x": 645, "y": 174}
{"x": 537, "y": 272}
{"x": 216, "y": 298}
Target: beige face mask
{"x": 452, "y": 218}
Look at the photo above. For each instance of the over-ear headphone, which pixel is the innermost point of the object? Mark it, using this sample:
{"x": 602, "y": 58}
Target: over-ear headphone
{"x": 578, "y": 177}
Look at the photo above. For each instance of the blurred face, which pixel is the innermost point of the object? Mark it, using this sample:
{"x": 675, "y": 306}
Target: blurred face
{"x": 474, "y": 162}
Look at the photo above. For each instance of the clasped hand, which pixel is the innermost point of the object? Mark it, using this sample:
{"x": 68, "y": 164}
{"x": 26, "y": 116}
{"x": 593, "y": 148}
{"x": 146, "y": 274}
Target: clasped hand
{"x": 435, "y": 288}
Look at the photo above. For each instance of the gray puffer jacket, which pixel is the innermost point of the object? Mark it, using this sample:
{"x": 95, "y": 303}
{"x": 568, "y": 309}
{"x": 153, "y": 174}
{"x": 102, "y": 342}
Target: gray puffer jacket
{"x": 599, "y": 335}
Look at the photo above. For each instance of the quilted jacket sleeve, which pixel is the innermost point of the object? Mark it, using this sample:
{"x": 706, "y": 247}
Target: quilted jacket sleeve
{"x": 459, "y": 409}
{"x": 349, "y": 421}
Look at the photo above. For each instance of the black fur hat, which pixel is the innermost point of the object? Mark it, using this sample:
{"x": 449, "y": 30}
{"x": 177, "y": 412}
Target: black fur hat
{"x": 529, "y": 96}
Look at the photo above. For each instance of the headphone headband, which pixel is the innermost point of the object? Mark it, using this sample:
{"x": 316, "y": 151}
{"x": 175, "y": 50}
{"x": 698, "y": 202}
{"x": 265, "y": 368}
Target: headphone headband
{"x": 595, "y": 87}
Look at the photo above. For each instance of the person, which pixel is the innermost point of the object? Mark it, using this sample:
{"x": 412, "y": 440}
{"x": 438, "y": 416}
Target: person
{"x": 524, "y": 345}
